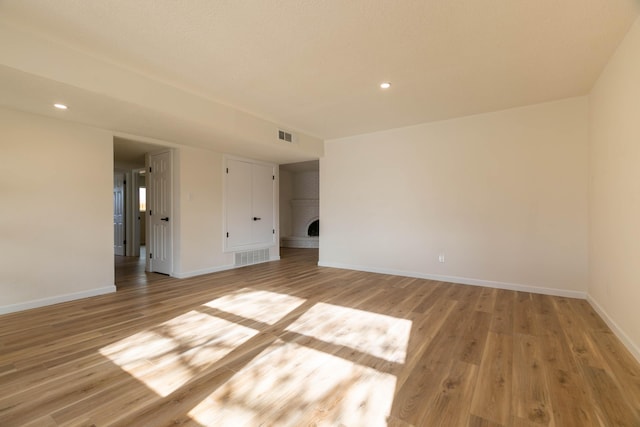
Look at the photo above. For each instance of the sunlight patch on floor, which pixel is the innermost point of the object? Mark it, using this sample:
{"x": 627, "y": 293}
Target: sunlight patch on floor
{"x": 376, "y": 334}
{"x": 289, "y": 384}
{"x": 263, "y": 306}
{"x": 168, "y": 355}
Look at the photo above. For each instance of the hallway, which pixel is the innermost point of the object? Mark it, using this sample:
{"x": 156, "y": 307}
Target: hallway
{"x": 129, "y": 271}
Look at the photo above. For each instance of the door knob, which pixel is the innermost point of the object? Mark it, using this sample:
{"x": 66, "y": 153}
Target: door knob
{"x": 166, "y": 218}
{"x": 255, "y": 218}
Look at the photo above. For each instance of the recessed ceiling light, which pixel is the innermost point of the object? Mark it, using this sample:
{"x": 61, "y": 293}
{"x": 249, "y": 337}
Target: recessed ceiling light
{"x": 60, "y": 106}
{"x": 385, "y": 85}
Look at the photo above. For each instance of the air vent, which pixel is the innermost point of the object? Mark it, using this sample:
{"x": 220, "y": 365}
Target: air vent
{"x": 251, "y": 257}
{"x": 285, "y": 136}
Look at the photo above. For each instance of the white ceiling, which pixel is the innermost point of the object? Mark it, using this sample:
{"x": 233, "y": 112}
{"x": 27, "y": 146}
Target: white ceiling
{"x": 315, "y": 66}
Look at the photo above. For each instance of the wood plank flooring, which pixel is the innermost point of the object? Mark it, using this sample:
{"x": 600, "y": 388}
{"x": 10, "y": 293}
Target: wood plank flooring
{"x": 291, "y": 344}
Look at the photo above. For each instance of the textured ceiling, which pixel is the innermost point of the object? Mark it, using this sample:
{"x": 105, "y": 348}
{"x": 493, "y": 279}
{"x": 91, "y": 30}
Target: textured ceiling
{"x": 316, "y": 65}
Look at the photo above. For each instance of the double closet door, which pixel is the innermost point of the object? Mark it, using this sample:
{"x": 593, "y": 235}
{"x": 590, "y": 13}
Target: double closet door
{"x": 250, "y": 201}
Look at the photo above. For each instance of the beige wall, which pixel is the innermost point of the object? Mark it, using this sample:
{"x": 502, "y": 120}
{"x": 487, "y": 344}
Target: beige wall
{"x": 199, "y": 212}
{"x": 56, "y": 214}
{"x": 614, "y": 249}
{"x": 502, "y": 195}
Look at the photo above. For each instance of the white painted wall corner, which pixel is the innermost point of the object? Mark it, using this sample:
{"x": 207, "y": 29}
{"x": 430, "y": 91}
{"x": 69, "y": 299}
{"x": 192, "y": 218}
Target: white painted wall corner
{"x": 617, "y": 330}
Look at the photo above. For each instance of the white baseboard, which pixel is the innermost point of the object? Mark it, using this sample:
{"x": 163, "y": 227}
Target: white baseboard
{"x": 619, "y": 332}
{"x": 217, "y": 269}
{"x": 12, "y": 308}
{"x": 461, "y": 280}
{"x": 195, "y": 273}
{"x": 622, "y": 336}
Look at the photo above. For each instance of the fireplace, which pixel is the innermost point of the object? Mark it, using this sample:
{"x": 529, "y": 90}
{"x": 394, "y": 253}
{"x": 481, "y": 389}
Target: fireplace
{"x": 314, "y": 229}
{"x": 305, "y": 224}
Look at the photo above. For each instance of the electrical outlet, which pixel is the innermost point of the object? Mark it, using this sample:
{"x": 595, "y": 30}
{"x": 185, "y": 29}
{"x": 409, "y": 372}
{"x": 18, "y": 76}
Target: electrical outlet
{"x": 441, "y": 258}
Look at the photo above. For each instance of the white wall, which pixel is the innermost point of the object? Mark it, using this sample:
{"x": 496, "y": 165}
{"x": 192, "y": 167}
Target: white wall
{"x": 614, "y": 249}
{"x": 306, "y": 185}
{"x": 198, "y": 186}
{"x": 56, "y": 214}
{"x": 502, "y": 195}
{"x": 199, "y": 213}
{"x": 286, "y": 194}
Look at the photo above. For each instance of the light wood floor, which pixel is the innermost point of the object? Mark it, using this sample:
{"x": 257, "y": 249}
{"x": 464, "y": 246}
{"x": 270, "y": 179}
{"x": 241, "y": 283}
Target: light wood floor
{"x": 291, "y": 344}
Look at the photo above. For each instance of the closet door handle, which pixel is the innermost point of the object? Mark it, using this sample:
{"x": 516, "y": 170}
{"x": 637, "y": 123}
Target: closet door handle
{"x": 255, "y": 218}
{"x": 165, "y": 219}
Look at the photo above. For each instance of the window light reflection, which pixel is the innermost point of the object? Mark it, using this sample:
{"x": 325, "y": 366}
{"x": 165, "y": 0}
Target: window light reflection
{"x": 290, "y": 384}
{"x": 167, "y": 356}
{"x": 263, "y": 306}
{"x": 376, "y": 334}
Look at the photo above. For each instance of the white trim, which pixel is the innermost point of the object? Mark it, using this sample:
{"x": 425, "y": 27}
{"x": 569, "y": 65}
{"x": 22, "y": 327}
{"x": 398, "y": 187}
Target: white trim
{"x": 617, "y": 330}
{"x": 11, "y": 308}
{"x": 462, "y": 280}
{"x": 195, "y": 273}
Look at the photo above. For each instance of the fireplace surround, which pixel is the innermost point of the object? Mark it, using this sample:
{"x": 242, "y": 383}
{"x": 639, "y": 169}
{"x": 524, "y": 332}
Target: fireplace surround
{"x": 304, "y": 213}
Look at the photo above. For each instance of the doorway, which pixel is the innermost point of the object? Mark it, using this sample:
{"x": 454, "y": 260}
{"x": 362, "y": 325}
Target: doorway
{"x": 299, "y": 207}
{"x": 131, "y": 260}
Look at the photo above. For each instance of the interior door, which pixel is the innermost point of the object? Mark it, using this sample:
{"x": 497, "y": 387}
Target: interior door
{"x": 238, "y": 199}
{"x": 249, "y": 205}
{"x": 159, "y": 213}
{"x": 118, "y": 214}
{"x": 262, "y": 204}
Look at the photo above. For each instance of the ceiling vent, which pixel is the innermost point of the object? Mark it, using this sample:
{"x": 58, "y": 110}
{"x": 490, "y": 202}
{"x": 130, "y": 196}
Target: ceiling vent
{"x": 286, "y": 136}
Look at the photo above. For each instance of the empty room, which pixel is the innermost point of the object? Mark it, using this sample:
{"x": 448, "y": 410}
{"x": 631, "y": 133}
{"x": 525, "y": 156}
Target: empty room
{"x": 319, "y": 213}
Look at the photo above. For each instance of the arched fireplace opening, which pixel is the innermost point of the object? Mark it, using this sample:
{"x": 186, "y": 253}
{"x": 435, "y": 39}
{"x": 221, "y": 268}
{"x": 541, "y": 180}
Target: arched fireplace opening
{"x": 314, "y": 228}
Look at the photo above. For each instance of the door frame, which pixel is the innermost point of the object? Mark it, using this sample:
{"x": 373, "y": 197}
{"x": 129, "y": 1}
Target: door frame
{"x": 149, "y": 238}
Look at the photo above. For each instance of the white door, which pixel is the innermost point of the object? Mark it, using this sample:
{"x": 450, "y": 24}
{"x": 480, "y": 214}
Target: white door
{"x": 118, "y": 214}
{"x": 263, "y": 185}
{"x": 239, "y": 210}
{"x": 159, "y": 213}
{"x": 249, "y": 201}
